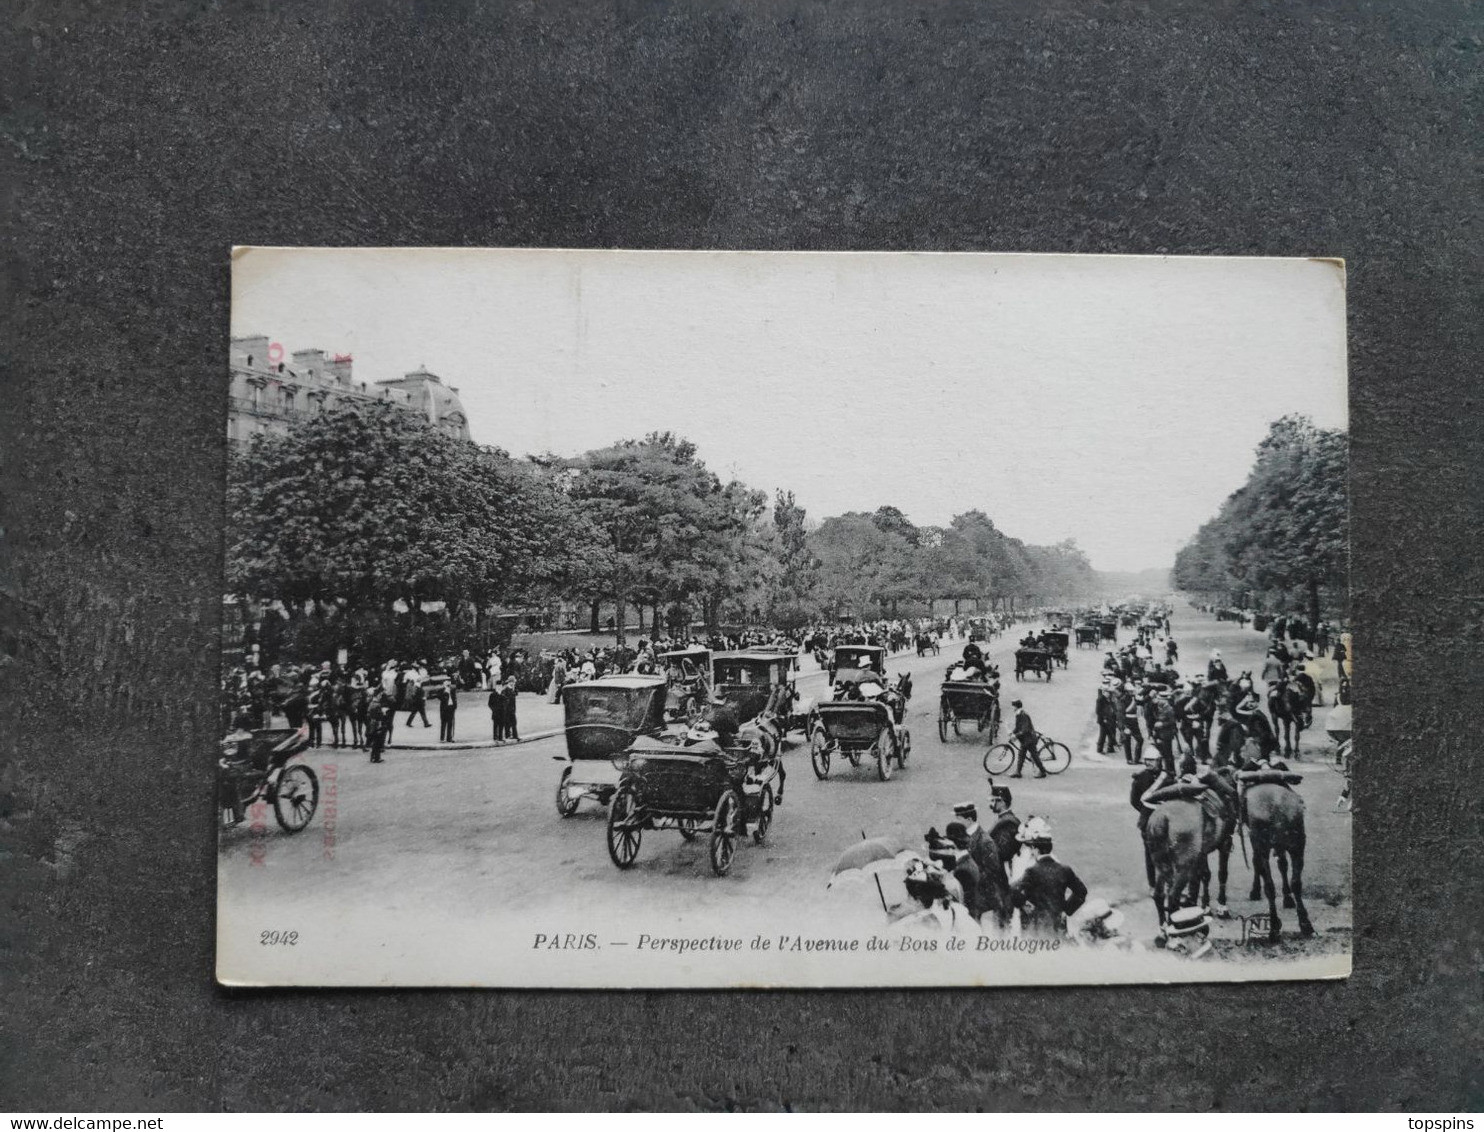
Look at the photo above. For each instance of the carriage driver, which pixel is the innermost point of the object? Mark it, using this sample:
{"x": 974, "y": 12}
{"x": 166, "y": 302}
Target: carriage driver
{"x": 973, "y": 659}
{"x": 235, "y": 763}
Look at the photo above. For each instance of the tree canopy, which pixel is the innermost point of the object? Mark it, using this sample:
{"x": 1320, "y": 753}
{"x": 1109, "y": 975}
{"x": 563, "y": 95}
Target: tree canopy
{"x": 1283, "y": 536}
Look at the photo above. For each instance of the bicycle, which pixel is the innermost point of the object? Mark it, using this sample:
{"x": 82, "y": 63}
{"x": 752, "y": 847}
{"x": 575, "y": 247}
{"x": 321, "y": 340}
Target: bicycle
{"x": 1055, "y": 757}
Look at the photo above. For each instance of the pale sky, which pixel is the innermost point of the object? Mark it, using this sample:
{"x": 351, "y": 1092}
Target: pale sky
{"x": 1116, "y": 400}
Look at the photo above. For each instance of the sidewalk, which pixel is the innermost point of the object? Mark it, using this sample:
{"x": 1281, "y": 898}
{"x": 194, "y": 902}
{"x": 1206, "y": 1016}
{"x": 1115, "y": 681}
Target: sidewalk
{"x": 535, "y": 718}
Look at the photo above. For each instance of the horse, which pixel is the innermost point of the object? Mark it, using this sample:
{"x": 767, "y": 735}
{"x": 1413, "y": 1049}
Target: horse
{"x": 337, "y": 707}
{"x": 1181, "y": 835}
{"x": 357, "y": 711}
{"x": 1274, "y": 817}
{"x": 1292, "y": 712}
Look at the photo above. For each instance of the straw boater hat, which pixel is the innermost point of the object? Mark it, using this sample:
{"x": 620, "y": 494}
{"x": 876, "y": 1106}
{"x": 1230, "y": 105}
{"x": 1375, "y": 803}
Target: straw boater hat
{"x": 1188, "y": 921}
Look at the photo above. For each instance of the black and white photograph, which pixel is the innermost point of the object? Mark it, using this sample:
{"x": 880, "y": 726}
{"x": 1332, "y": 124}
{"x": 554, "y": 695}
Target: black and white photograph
{"x": 784, "y": 619}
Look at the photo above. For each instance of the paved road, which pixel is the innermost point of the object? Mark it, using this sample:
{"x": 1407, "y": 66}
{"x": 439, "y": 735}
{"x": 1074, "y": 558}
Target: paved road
{"x": 447, "y": 866}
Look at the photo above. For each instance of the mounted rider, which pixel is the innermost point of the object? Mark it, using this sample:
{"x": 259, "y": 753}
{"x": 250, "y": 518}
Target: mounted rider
{"x": 1216, "y": 667}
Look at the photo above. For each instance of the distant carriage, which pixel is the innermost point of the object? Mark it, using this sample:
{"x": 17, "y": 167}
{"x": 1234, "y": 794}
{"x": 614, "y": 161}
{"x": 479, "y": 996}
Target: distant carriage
{"x": 1038, "y": 661}
{"x": 1108, "y": 629}
{"x": 1056, "y": 645}
{"x": 688, "y": 674}
{"x": 1087, "y": 636}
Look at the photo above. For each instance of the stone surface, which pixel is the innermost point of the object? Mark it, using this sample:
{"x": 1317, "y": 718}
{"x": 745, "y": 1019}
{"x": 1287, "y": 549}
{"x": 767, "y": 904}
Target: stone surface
{"x": 142, "y": 141}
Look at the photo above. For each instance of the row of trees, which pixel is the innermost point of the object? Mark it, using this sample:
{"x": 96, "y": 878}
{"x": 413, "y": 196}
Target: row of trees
{"x": 1281, "y": 540}
{"x": 363, "y": 513}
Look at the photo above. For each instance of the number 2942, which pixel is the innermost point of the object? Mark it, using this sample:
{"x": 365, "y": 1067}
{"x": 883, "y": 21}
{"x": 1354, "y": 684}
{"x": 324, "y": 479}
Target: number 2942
{"x": 278, "y": 939}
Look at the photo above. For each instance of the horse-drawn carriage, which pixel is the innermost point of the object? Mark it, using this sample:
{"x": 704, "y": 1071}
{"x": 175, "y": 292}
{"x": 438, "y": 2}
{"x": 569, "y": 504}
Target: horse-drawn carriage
{"x": 723, "y": 792}
{"x": 1108, "y": 629}
{"x": 853, "y": 663}
{"x": 604, "y": 717}
{"x": 688, "y": 674}
{"x": 976, "y": 701}
{"x": 759, "y": 686}
{"x": 1056, "y": 644}
{"x": 858, "y": 729}
{"x": 1059, "y": 619}
{"x": 1040, "y": 661}
{"x": 266, "y": 775}
{"x": 1087, "y": 636}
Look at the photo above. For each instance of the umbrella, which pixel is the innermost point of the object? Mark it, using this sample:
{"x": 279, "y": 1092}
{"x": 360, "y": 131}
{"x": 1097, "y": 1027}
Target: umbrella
{"x": 872, "y": 856}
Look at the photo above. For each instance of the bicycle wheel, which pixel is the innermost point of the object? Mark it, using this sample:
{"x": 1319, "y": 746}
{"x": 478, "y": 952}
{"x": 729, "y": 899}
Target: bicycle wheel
{"x": 999, "y": 759}
{"x": 1055, "y": 757}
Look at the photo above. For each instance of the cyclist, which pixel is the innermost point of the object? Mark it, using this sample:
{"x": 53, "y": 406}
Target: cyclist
{"x": 1025, "y": 739}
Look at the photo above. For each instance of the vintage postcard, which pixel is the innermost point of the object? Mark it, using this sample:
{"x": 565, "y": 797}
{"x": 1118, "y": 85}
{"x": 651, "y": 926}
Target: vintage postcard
{"x": 721, "y": 619}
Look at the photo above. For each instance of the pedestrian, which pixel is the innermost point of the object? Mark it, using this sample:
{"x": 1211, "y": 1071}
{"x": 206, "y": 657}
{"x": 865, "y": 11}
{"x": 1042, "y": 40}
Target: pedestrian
{"x": 497, "y": 712}
{"x": 1144, "y": 780}
{"x": 1106, "y": 712}
{"x": 378, "y": 725}
{"x": 1048, "y": 893}
{"x": 1133, "y": 733}
{"x": 512, "y": 729}
{"x": 1024, "y": 738}
{"x": 1163, "y": 728}
{"x": 994, "y": 888}
{"x": 966, "y": 869}
{"x": 448, "y": 706}
{"x": 416, "y": 702}
{"x": 1005, "y": 832}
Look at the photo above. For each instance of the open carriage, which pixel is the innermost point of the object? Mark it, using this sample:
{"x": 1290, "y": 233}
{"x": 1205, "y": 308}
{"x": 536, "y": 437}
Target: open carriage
{"x": 1038, "y": 661}
{"x": 854, "y": 663}
{"x": 759, "y": 685}
{"x": 268, "y": 774}
{"x": 605, "y": 717}
{"x": 688, "y": 675}
{"x": 857, "y": 730}
{"x": 969, "y": 701}
{"x": 721, "y": 792}
{"x": 1056, "y": 644}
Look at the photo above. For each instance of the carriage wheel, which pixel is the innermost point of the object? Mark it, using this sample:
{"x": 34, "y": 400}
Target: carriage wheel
{"x": 566, "y": 802}
{"x": 688, "y": 828}
{"x": 886, "y": 750}
{"x": 999, "y": 759}
{"x": 624, "y": 831}
{"x": 819, "y": 754}
{"x": 943, "y": 725}
{"x": 724, "y": 832}
{"x": 764, "y": 815}
{"x": 1055, "y": 757}
{"x": 295, "y": 798}
{"x": 904, "y": 748}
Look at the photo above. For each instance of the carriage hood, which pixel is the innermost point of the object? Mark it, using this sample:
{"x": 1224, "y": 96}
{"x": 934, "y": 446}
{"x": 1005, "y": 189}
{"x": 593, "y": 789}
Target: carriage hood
{"x": 605, "y": 716}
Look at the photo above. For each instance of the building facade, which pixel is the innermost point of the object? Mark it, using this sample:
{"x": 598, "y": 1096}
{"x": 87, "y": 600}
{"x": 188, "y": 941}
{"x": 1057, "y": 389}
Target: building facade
{"x": 270, "y": 393}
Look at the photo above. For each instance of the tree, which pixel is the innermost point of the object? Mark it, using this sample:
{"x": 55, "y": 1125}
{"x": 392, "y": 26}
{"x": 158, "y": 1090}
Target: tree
{"x": 672, "y": 528}
{"x": 361, "y": 508}
{"x": 1284, "y": 534}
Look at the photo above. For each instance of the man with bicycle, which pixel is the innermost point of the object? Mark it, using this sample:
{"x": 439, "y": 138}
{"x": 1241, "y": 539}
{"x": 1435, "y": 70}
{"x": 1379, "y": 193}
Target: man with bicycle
{"x": 1025, "y": 740}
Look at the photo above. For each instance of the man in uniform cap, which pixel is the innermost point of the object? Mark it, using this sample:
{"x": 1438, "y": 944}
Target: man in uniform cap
{"x": 1144, "y": 780}
{"x": 1006, "y": 828}
{"x": 993, "y": 887}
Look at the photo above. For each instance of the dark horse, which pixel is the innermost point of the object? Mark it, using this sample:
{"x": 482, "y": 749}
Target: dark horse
{"x": 1291, "y": 704}
{"x": 1274, "y": 817}
{"x": 1181, "y": 836}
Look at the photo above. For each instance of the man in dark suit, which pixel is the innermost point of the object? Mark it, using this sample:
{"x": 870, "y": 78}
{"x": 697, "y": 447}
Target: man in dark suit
{"x": 1005, "y": 832}
{"x": 497, "y": 712}
{"x": 1025, "y": 737}
{"x": 512, "y": 730}
{"x": 966, "y": 869}
{"x": 1143, "y": 781}
{"x": 994, "y": 886}
{"x": 448, "y": 706}
{"x": 1047, "y": 894}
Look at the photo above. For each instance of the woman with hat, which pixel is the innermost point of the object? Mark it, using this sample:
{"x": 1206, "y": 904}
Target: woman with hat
{"x": 1049, "y": 891}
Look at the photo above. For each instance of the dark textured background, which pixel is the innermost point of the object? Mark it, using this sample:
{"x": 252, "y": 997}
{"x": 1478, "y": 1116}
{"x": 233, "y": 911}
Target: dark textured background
{"x": 141, "y": 140}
